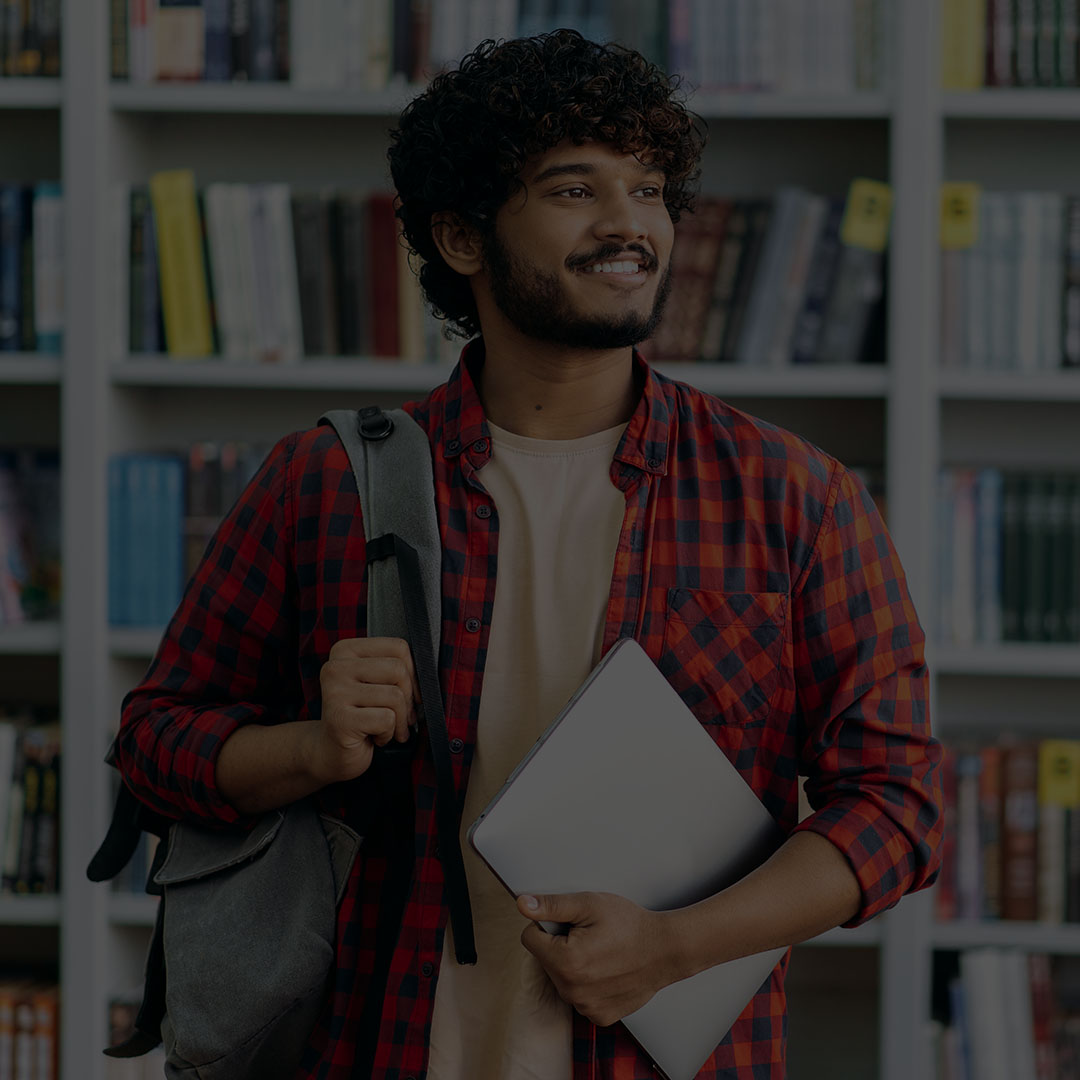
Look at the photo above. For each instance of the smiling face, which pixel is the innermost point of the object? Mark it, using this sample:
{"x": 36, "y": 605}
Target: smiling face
{"x": 582, "y": 257}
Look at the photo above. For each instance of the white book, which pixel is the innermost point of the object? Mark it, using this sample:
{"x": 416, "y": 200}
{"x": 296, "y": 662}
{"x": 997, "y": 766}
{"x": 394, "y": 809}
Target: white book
{"x": 221, "y": 252}
{"x": 1028, "y": 273}
{"x": 379, "y": 42}
{"x": 981, "y": 972}
{"x": 999, "y": 220}
{"x": 278, "y": 200}
{"x": 791, "y": 42}
{"x": 308, "y": 70}
{"x": 975, "y": 313}
{"x": 247, "y": 305}
{"x": 1017, "y": 983}
{"x": 753, "y": 341}
{"x": 811, "y": 219}
{"x": 268, "y": 341}
{"x": 1052, "y": 292}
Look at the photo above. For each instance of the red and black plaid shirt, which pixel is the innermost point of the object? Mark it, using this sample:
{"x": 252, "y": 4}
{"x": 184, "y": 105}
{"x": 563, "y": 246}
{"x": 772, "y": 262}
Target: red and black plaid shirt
{"x": 752, "y": 567}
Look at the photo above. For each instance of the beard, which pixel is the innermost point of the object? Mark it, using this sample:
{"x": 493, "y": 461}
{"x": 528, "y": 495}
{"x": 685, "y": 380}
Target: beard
{"x": 537, "y": 304}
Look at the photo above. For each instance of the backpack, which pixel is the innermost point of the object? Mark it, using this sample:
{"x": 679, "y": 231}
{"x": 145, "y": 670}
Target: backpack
{"x": 243, "y": 945}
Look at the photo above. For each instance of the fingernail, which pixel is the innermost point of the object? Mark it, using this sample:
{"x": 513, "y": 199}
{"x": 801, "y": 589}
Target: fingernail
{"x": 531, "y": 903}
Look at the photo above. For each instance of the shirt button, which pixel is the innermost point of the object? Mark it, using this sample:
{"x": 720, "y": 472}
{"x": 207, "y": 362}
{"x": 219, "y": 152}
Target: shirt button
{"x": 480, "y": 445}
{"x": 483, "y": 511}
{"x": 472, "y": 625}
{"x": 654, "y": 463}
{"x": 453, "y": 446}
{"x": 427, "y": 969}
{"x": 456, "y": 745}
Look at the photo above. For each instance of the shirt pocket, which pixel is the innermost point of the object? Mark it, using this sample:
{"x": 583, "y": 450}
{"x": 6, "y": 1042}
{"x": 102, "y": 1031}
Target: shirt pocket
{"x": 722, "y": 652}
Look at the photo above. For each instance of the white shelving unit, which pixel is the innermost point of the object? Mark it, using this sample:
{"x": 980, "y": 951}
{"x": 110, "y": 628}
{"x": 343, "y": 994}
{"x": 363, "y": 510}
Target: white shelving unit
{"x": 908, "y": 416}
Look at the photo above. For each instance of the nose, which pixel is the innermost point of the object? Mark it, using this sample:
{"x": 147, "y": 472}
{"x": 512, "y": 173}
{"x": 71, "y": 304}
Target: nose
{"x": 621, "y": 218}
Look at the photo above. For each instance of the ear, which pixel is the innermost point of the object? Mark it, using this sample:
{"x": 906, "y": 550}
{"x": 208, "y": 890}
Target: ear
{"x": 458, "y": 243}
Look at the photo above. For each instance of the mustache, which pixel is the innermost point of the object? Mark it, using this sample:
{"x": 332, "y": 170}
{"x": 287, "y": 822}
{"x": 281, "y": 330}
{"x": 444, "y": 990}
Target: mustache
{"x": 612, "y": 253}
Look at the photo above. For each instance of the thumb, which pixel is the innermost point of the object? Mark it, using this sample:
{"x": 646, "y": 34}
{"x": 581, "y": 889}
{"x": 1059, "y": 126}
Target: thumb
{"x": 560, "y": 907}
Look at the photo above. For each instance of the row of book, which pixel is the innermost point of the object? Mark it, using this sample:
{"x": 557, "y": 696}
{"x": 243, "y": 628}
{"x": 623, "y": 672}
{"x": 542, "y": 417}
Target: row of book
{"x": 29, "y": 534}
{"x": 1022, "y": 43}
{"x": 799, "y": 279}
{"x": 1010, "y": 279}
{"x": 1011, "y": 848}
{"x": 29, "y": 800}
{"x": 1006, "y": 1020}
{"x": 1008, "y": 556}
{"x": 789, "y": 46}
{"x": 252, "y": 273}
{"x": 31, "y": 267}
{"x": 30, "y": 38}
{"x": 162, "y": 511}
{"x": 29, "y": 1027}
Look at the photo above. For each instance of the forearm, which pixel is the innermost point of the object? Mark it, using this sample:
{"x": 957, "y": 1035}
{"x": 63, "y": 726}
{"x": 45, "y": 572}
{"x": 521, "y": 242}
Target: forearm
{"x": 804, "y": 889}
{"x": 261, "y": 768}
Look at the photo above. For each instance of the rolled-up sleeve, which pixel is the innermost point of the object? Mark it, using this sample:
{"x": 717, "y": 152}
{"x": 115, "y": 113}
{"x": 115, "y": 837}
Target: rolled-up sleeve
{"x": 227, "y": 658}
{"x": 872, "y": 765}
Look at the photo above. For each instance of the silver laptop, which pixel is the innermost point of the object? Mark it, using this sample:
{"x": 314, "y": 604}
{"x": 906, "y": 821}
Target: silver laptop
{"x": 627, "y": 793}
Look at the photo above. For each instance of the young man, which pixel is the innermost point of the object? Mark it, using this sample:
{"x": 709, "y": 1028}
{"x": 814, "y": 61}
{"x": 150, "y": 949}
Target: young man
{"x": 582, "y": 498}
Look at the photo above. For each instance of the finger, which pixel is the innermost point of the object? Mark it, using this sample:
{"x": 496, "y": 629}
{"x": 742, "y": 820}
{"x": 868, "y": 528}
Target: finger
{"x": 376, "y": 671}
{"x": 572, "y": 908}
{"x": 380, "y": 648}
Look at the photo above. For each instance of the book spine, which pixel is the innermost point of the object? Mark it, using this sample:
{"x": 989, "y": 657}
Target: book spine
{"x": 48, "y": 22}
{"x": 1068, "y": 33}
{"x": 820, "y": 277}
{"x": 152, "y": 316}
{"x": 218, "y": 41}
{"x": 284, "y": 264}
{"x": 1019, "y": 869}
{"x": 11, "y": 229}
{"x": 1046, "y": 42}
{"x": 118, "y": 39}
{"x": 118, "y": 555}
{"x": 184, "y": 291}
{"x": 968, "y": 851}
{"x": 988, "y": 495}
{"x": 382, "y": 236}
{"x": 945, "y": 895}
{"x": 1027, "y": 272}
{"x": 1025, "y": 36}
{"x": 282, "y": 44}
{"x": 262, "y": 41}
{"x": 964, "y": 549}
{"x": 1052, "y": 280}
{"x": 1071, "y": 301}
{"x": 990, "y": 829}
{"x": 1071, "y": 587}
{"x": 760, "y": 215}
{"x": 240, "y": 39}
{"x": 309, "y": 271}
{"x": 1035, "y": 524}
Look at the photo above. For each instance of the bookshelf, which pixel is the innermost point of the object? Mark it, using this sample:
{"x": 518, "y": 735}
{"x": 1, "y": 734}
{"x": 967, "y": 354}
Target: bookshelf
{"x": 907, "y": 416}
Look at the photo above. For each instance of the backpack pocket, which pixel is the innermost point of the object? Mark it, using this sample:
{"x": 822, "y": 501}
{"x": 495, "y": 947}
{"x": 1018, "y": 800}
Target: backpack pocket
{"x": 249, "y": 924}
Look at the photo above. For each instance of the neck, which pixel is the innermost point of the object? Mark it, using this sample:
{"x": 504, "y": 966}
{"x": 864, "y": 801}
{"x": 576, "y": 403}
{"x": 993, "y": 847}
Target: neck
{"x": 553, "y": 393}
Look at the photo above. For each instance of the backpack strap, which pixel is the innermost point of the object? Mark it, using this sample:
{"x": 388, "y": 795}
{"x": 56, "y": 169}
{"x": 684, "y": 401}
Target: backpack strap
{"x": 397, "y": 496}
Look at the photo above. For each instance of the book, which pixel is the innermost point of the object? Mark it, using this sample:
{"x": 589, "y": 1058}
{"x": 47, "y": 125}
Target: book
{"x": 1019, "y": 835}
{"x": 184, "y": 294}
{"x": 1058, "y": 794}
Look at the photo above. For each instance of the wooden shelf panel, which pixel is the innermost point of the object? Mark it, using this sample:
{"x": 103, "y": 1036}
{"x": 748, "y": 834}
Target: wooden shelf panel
{"x": 1013, "y": 659}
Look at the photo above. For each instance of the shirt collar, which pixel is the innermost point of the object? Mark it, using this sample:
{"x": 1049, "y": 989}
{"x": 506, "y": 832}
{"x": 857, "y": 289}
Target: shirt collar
{"x": 644, "y": 444}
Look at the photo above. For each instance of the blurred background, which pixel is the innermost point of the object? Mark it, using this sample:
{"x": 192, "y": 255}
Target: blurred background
{"x": 198, "y": 254}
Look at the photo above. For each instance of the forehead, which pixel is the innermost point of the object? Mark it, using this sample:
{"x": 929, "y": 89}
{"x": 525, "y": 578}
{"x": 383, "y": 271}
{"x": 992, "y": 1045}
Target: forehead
{"x": 567, "y": 158}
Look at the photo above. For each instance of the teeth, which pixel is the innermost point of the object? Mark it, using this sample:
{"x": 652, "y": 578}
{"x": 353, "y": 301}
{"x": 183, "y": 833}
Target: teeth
{"x": 613, "y": 268}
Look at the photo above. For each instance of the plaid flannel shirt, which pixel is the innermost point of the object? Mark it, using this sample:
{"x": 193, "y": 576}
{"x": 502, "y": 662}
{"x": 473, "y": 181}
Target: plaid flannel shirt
{"x": 752, "y": 567}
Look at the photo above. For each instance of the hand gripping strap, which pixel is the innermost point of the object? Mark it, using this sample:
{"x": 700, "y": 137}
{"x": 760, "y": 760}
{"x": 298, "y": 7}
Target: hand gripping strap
{"x": 427, "y": 675}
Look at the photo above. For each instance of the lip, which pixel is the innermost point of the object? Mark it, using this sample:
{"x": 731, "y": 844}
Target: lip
{"x": 622, "y": 280}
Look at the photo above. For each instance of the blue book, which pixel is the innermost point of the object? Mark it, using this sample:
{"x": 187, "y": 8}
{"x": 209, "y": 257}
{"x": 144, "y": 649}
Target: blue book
{"x": 11, "y": 242}
{"x": 47, "y": 212}
{"x": 118, "y": 548}
{"x": 263, "y": 68}
{"x": 139, "y": 522}
{"x": 218, "y": 41}
{"x": 171, "y": 548}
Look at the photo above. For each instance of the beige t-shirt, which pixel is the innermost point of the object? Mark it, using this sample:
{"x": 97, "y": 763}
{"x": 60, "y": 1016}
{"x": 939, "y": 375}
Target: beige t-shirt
{"x": 559, "y": 522}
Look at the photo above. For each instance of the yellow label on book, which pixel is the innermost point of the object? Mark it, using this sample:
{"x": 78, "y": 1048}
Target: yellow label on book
{"x": 1059, "y": 772}
{"x": 867, "y": 215}
{"x": 959, "y": 216}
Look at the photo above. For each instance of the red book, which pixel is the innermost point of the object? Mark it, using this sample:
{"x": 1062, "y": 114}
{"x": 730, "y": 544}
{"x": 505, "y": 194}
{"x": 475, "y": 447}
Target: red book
{"x": 945, "y": 893}
{"x": 383, "y": 240}
{"x": 1019, "y": 830}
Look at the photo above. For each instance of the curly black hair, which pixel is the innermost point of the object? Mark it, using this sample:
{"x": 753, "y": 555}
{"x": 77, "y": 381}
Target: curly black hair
{"x": 461, "y": 144}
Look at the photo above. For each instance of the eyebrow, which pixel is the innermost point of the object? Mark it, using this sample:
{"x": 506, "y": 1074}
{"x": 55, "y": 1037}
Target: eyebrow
{"x": 585, "y": 168}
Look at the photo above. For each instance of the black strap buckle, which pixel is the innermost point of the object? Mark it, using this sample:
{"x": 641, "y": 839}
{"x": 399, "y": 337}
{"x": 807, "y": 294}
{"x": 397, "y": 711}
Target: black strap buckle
{"x": 374, "y": 424}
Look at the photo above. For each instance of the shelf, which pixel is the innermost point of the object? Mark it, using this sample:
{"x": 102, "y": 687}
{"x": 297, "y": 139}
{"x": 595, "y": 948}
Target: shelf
{"x": 29, "y": 369}
{"x": 1009, "y": 104}
{"x": 29, "y": 639}
{"x": 315, "y": 374}
{"x": 734, "y": 104}
{"x": 731, "y": 380}
{"x": 864, "y": 381}
{"x": 389, "y": 101}
{"x": 17, "y": 93}
{"x": 29, "y": 910}
{"x": 132, "y": 909}
{"x": 1014, "y": 659}
{"x": 1050, "y": 386}
{"x": 1063, "y": 939}
{"x": 248, "y": 97}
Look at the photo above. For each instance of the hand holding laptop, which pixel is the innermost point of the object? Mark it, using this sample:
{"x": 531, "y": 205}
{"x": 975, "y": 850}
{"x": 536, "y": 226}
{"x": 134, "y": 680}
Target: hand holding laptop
{"x": 616, "y": 956}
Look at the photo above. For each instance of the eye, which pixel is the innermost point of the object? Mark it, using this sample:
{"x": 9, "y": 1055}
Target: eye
{"x": 568, "y": 191}
{"x": 653, "y": 191}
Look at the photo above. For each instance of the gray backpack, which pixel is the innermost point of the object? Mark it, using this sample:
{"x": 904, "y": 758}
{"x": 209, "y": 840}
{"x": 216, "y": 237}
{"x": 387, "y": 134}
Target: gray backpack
{"x": 243, "y": 948}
